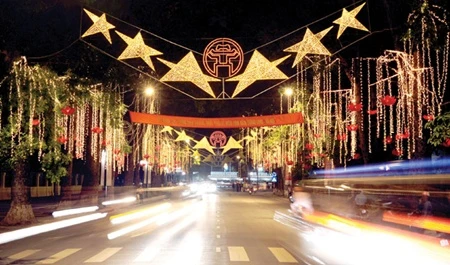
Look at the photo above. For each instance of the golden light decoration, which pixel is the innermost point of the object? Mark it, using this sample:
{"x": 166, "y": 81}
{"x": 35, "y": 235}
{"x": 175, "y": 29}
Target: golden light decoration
{"x": 204, "y": 144}
{"x": 209, "y": 159}
{"x": 231, "y": 144}
{"x": 137, "y": 49}
{"x": 348, "y": 19}
{"x": 309, "y": 45}
{"x": 258, "y": 68}
{"x": 167, "y": 129}
{"x": 100, "y": 26}
{"x": 183, "y": 137}
{"x": 188, "y": 70}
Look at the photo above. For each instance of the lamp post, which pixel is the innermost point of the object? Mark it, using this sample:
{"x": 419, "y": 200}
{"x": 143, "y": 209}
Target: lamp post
{"x": 103, "y": 171}
{"x": 288, "y": 92}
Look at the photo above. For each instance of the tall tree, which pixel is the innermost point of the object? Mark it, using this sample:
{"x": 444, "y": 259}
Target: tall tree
{"x": 30, "y": 132}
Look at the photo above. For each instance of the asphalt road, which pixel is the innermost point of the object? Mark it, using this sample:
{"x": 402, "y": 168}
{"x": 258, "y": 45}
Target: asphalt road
{"x": 222, "y": 228}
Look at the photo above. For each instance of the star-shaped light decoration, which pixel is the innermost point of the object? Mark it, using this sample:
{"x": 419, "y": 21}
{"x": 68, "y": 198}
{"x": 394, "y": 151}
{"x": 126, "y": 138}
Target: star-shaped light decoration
{"x": 231, "y": 144}
{"x": 137, "y": 49}
{"x": 204, "y": 144}
{"x": 188, "y": 70}
{"x": 309, "y": 45}
{"x": 258, "y": 68}
{"x": 209, "y": 158}
{"x": 100, "y": 26}
{"x": 348, "y": 19}
{"x": 183, "y": 137}
{"x": 167, "y": 129}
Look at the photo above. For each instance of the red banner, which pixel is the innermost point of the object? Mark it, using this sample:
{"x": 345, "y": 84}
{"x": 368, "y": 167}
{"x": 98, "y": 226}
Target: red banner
{"x": 224, "y": 123}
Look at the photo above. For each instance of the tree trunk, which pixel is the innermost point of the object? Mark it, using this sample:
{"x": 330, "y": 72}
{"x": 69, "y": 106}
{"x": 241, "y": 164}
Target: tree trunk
{"x": 129, "y": 174}
{"x": 21, "y": 211}
{"x": 91, "y": 183}
{"x": 361, "y": 135}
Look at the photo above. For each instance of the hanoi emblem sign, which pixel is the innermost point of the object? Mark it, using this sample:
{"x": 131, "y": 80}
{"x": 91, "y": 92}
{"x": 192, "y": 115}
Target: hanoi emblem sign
{"x": 223, "y": 58}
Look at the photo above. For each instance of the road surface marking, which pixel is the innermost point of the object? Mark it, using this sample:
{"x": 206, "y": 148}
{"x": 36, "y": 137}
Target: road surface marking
{"x": 237, "y": 254}
{"x": 218, "y": 249}
{"x": 103, "y": 255}
{"x": 23, "y": 254}
{"x": 282, "y": 255}
{"x": 59, "y": 256}
{"x": 148, "y": 254}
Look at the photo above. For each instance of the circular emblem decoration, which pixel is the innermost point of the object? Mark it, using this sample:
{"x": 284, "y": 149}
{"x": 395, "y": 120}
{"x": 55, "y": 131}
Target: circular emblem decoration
{"x": 223, "y": 58}
{"x": 217, "y": 137}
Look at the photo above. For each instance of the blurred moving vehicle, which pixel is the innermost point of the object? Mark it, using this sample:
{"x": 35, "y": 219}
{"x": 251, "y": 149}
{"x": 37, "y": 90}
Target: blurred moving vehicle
{"x": 375, "y": 192}
{"x": 400, "y": 209}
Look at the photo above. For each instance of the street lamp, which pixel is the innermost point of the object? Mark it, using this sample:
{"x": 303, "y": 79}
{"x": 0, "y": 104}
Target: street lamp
{"x": 103, "y": 171}
{"x": 288, "y": 92}
{"x": 149, "y": 91}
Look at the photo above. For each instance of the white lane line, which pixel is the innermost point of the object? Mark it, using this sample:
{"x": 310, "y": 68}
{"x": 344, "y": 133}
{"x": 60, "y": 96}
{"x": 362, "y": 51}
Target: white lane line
{"x": 23, "y": 254}
{"x": 59, "y": 256}
{"x": 148, "y": 254}
{"x": 237, "y": 254}
{"x": 103, "y": 255}
{"x": 282, "y": 255}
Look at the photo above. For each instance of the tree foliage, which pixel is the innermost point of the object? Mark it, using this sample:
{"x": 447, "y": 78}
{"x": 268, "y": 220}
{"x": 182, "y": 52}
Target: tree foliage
{"x": 440, "y": 129}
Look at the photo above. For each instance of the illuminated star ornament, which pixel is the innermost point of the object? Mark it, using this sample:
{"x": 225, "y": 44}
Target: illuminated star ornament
{"x": 100, "y": 26}
{"x": 183, "y": 137}
{"x": 309, "y": 45}
{"x": 188, "y": 70}
{"x": 231, "y": 144}
{"x": 259, "y": 68}
{"x": 137, "y": 49}
{"x": 348, "y": 19}
{"x": 167, "y": 129}
{"x": 204, "y": 144}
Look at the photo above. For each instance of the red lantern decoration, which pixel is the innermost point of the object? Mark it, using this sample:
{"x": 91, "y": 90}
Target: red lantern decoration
{"x": 35, "y": 122}
{"x": 446, "y": 143}
{"x": 401, "y": 136}
{"x": 428, "y": 117}
{"x": 309, "y": 146}
{"x": 290, "y": 163}
{"x": 62, "y": 139}
{"x": 341, "y": 137}
{"x": 97, "y": 130}
{"x": 397, "y": 152}
{"x": 388, "y": 140}
{"x": 317, "y": 135}
{"x": 352, "y": 127}
{"x": 355, "y": 107}
{"x": 372, "y": 112}
{"x": 68, "y": 110}
{"x": 146, "y": 156}
{"x": 356, "y": 156}
{"x": 388, "y": 100}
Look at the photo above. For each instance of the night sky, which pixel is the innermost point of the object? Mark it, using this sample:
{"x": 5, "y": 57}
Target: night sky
{"x": 47, "y": 32}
